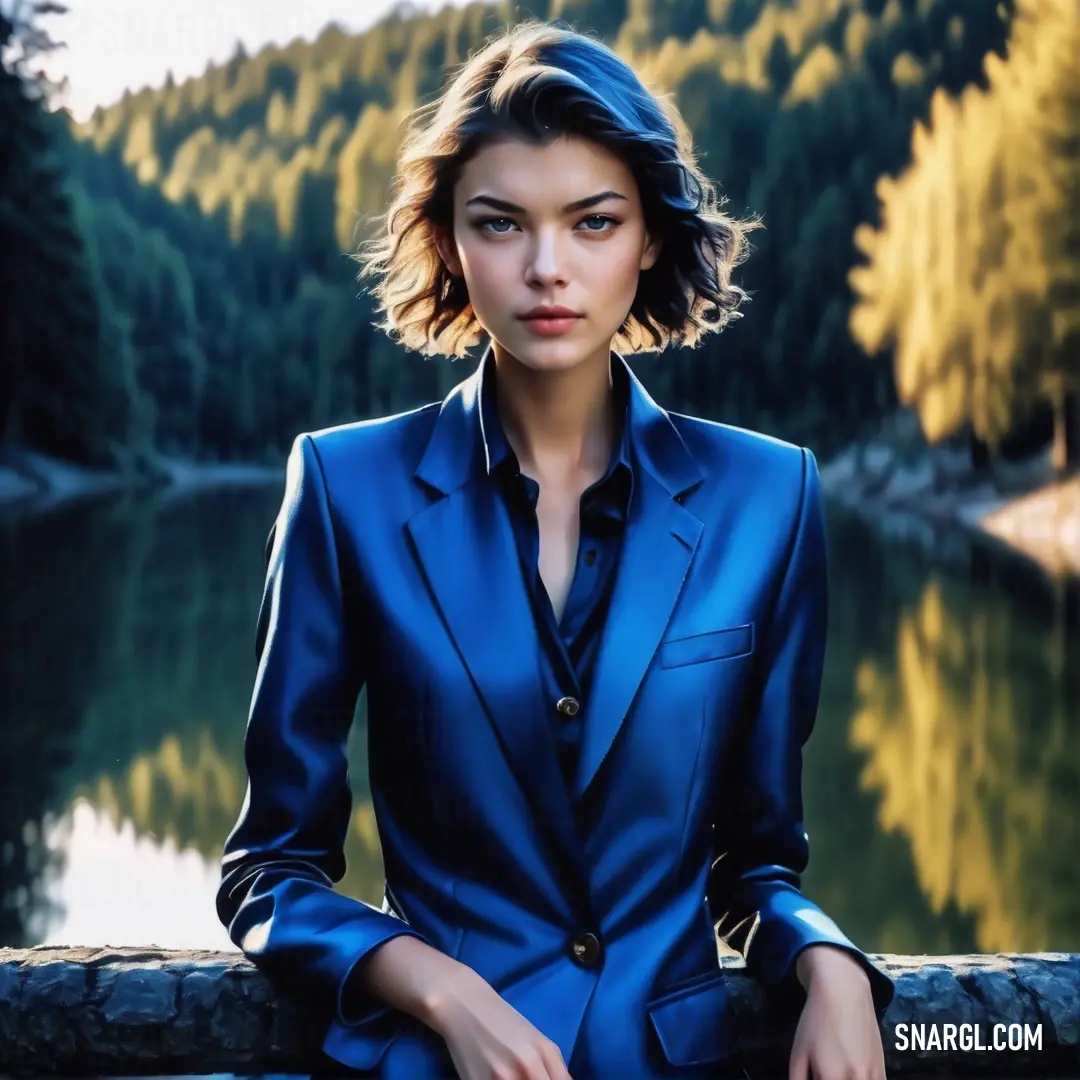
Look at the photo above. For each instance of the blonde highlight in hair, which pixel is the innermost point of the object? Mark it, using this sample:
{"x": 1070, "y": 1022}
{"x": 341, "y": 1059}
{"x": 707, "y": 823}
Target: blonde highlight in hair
{"x": 540, "y": 82}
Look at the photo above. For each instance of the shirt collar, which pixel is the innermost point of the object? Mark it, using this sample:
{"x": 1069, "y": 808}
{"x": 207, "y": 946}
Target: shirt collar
{"x": 499, "y": 454}
{"x": 454, "y": 452}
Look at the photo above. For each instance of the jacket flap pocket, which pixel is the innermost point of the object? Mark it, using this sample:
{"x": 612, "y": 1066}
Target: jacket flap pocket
{"x": 716, "y": 645}
{"x": 692, "y": 1021}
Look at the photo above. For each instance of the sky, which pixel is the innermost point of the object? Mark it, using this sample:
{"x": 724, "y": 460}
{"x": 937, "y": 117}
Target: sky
{"x": 118, "y": 44}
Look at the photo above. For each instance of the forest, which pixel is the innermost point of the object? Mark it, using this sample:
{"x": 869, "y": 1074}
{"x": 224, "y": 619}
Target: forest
{"x": 176, "y": 280}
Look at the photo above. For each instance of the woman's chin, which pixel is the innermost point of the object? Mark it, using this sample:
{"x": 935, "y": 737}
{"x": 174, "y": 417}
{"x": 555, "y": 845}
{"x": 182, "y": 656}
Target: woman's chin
{"x": 553, "y": 353}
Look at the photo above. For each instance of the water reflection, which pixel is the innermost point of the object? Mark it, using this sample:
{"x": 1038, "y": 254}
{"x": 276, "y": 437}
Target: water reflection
{"x": 961, "y": 695}
{"x": 943, "y": 782}
{"x": 969, "y": 742}
{"x": 122, "y": 886}
{"x": 127, "y": 696}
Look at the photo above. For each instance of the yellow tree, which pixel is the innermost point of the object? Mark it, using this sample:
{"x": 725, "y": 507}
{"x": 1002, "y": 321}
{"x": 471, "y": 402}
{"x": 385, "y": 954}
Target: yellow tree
{"x": 1039, "y": 89}
{"x": 936, "y": 277}
{"x": 972, "y": 276}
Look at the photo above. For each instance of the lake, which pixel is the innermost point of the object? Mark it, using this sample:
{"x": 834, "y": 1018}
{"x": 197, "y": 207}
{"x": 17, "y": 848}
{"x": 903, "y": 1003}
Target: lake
{"x": 942, "y": 784}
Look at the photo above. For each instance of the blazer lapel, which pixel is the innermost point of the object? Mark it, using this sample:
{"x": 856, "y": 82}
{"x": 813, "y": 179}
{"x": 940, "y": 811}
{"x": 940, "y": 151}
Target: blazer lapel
{"x": 464, "y": 541}
{"x": 659, "y": 545}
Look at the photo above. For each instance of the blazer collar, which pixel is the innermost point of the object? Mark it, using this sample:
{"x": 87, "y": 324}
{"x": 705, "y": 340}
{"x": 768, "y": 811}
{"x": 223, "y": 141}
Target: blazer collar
{"x": 457, "y": 449}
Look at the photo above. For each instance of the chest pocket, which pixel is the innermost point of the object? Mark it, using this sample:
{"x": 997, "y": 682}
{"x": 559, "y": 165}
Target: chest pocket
{"x": 715, "y": 645}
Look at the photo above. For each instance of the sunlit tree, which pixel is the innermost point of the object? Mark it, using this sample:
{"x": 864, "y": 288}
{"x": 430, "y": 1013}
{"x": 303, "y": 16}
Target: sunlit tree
{"x": 931, "y": 277}
{"x": 1041, "y": 85}
{"x": 973, "y": 278}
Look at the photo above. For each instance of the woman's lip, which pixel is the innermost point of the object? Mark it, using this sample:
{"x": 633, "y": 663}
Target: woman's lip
{"x": 551, "y": 315}
{"x": 551, "y": 325}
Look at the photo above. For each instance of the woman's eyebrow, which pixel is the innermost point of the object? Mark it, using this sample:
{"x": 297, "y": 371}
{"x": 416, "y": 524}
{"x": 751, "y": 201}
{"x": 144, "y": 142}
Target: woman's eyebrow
{"x": 569, "y": 208}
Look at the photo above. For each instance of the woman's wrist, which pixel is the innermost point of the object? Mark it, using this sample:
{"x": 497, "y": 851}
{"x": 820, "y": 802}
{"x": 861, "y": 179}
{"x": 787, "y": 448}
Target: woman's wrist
{"x": 450, "y": 986}
{"x": 412, "y": 976}
{"x": 823, "y": 957}
{"x": 422, "y": 981}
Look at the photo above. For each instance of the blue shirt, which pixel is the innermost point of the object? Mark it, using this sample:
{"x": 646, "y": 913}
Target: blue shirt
{"x": 568, "y": 646}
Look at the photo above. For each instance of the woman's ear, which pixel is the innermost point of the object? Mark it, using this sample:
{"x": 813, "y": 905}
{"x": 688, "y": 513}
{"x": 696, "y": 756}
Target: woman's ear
{"x": 447, "y": 249}
{"x": 651, "y": 251}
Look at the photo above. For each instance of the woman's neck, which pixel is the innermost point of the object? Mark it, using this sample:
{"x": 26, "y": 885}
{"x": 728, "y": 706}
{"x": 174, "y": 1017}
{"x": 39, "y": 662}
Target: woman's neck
{"x": 560, "y": 423}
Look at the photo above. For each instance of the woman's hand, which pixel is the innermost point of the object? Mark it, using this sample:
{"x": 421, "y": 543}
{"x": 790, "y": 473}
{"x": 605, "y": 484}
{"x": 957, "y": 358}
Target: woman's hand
{"x": 486, "y": 1038}
{"x": 490, "y": 1040}
{"x": 837, "y": 1037}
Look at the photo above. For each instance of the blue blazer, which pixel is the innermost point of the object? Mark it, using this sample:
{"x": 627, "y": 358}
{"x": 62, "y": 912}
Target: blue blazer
{"x": 591, "y": 910}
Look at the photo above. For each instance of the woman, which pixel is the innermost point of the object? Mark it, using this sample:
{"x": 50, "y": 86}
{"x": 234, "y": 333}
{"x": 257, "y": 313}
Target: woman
{"x": 591, "y": 632}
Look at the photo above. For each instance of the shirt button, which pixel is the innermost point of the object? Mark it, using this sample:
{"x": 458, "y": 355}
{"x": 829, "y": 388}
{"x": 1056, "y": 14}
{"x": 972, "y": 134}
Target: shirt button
{"x": 590, "y": 557}
{"x": 568, "y": 706}
{"x": 585, "y": 949}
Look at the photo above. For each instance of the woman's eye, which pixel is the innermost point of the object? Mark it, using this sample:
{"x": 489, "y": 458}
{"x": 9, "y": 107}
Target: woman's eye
{"x": 489, "y": 224}
{"x": 500, "y": 226}
{"x": 597, "y": 222}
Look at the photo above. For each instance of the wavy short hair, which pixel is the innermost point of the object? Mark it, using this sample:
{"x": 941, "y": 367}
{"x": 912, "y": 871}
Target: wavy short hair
{"x": 539, "y": 82}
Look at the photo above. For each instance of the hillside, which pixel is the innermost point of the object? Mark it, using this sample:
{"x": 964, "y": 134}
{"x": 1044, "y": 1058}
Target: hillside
{"x": 217, "y": 214}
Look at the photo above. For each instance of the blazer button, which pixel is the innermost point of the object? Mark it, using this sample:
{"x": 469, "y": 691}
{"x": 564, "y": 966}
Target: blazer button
{"x": 568, "y": 706}
{"x": 585, "y": 949}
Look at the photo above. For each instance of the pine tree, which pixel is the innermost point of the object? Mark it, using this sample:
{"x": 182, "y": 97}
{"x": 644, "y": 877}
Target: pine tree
{"x": 50, "y": 378}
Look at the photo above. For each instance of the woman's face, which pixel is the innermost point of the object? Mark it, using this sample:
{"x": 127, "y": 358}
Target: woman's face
{"x": 559, "y": 226}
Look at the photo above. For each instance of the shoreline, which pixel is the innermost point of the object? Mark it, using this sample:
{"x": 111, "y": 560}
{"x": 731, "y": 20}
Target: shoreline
{"x": 1043, "y": 524}
{"x": 921, "y": 493}
{"x": 33, "y": 482}
{"x": 932, "y": 494}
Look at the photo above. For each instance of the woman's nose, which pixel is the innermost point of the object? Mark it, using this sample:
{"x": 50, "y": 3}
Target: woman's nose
{"x": 546, "y": 258}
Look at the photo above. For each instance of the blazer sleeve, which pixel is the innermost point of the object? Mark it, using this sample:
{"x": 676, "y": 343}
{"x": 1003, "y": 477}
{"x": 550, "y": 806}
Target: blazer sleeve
{"x": 286, "y": 851}
{"x": 760, "y": 843}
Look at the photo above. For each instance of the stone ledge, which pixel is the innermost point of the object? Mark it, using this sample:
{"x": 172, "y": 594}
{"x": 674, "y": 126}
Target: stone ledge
{"x": 131, "y": 1012}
